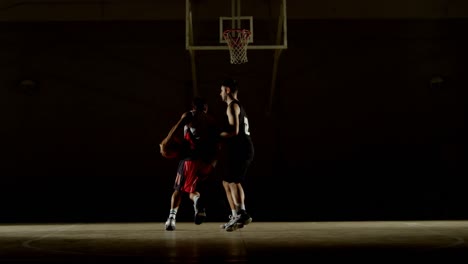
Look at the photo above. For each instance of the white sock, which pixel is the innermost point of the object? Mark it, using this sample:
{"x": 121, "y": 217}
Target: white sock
{"x": 243, "y": 207}
{"x": 195, "y": 199}
{"x": 234, "y": 213}
{"x": 173, "y": 213}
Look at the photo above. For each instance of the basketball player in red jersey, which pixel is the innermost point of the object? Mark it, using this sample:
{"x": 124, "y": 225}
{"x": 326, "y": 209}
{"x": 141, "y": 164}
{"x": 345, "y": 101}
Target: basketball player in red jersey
{"x": 197, "y": 158}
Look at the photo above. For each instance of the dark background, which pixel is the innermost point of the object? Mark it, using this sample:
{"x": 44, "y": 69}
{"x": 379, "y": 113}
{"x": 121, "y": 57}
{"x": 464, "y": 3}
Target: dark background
{"x": 359, "y": 128}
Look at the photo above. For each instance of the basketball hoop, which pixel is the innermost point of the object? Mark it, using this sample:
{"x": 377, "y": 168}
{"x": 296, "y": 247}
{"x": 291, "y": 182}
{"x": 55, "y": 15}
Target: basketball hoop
{"x": 237, "y": 41}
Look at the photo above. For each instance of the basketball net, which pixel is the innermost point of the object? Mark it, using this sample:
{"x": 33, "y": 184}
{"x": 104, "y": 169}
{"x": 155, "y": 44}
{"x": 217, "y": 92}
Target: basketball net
{"x": 237, "y": 41}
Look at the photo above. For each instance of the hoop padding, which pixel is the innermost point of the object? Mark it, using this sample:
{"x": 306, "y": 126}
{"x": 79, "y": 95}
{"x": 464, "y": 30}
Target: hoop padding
{"x": 237, "y": 41}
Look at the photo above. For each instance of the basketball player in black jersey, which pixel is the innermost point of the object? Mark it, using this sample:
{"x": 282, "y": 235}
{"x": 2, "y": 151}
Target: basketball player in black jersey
{"x": 239, "y": 153}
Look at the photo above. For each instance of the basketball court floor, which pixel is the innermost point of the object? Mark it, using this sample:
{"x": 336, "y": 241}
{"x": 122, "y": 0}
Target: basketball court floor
{"x": 259, "y": 242}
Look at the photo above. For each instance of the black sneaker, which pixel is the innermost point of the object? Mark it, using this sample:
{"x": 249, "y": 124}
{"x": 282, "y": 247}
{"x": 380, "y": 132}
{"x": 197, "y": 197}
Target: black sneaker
{"x": 200, "y": 214}
{"x": 244, "y": 218}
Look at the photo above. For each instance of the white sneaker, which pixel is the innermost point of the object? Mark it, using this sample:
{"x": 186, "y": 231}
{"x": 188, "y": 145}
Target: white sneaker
{"x": 170, "y": 224}
{"x": 232, "y": 224}
{"x": 223, "y": 226}
{"x": 239, "y": 225}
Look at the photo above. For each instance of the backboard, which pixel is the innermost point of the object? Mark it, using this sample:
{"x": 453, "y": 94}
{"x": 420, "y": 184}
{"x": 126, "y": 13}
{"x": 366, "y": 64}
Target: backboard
{"x": 206, "y": 20}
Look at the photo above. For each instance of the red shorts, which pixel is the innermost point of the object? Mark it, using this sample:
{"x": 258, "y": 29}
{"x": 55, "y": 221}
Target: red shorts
{"x": 190, "y": 173}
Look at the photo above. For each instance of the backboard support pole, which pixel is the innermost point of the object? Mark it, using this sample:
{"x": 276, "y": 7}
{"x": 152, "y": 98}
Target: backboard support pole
{"x": 282, "y": 27}
{"x": 189, "y": 41}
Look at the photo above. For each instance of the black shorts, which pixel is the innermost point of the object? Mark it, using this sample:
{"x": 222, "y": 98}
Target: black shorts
{"x": 236, "y": 170}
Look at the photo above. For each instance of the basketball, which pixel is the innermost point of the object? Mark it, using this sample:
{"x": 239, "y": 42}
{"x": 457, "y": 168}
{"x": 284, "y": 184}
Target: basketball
{"x": 173, "y": 149}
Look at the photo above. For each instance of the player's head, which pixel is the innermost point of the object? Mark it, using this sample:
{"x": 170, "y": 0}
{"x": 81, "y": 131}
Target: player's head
{"x": 231, "y": 83}
{"x": 199, "y": 104}
{"x": 228, "y": 89}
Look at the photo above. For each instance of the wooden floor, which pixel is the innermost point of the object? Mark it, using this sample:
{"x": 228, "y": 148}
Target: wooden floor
{"x": 294, "y": 242}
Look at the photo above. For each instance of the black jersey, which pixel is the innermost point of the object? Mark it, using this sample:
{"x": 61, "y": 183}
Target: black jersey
{"x": 241, "y": 147}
